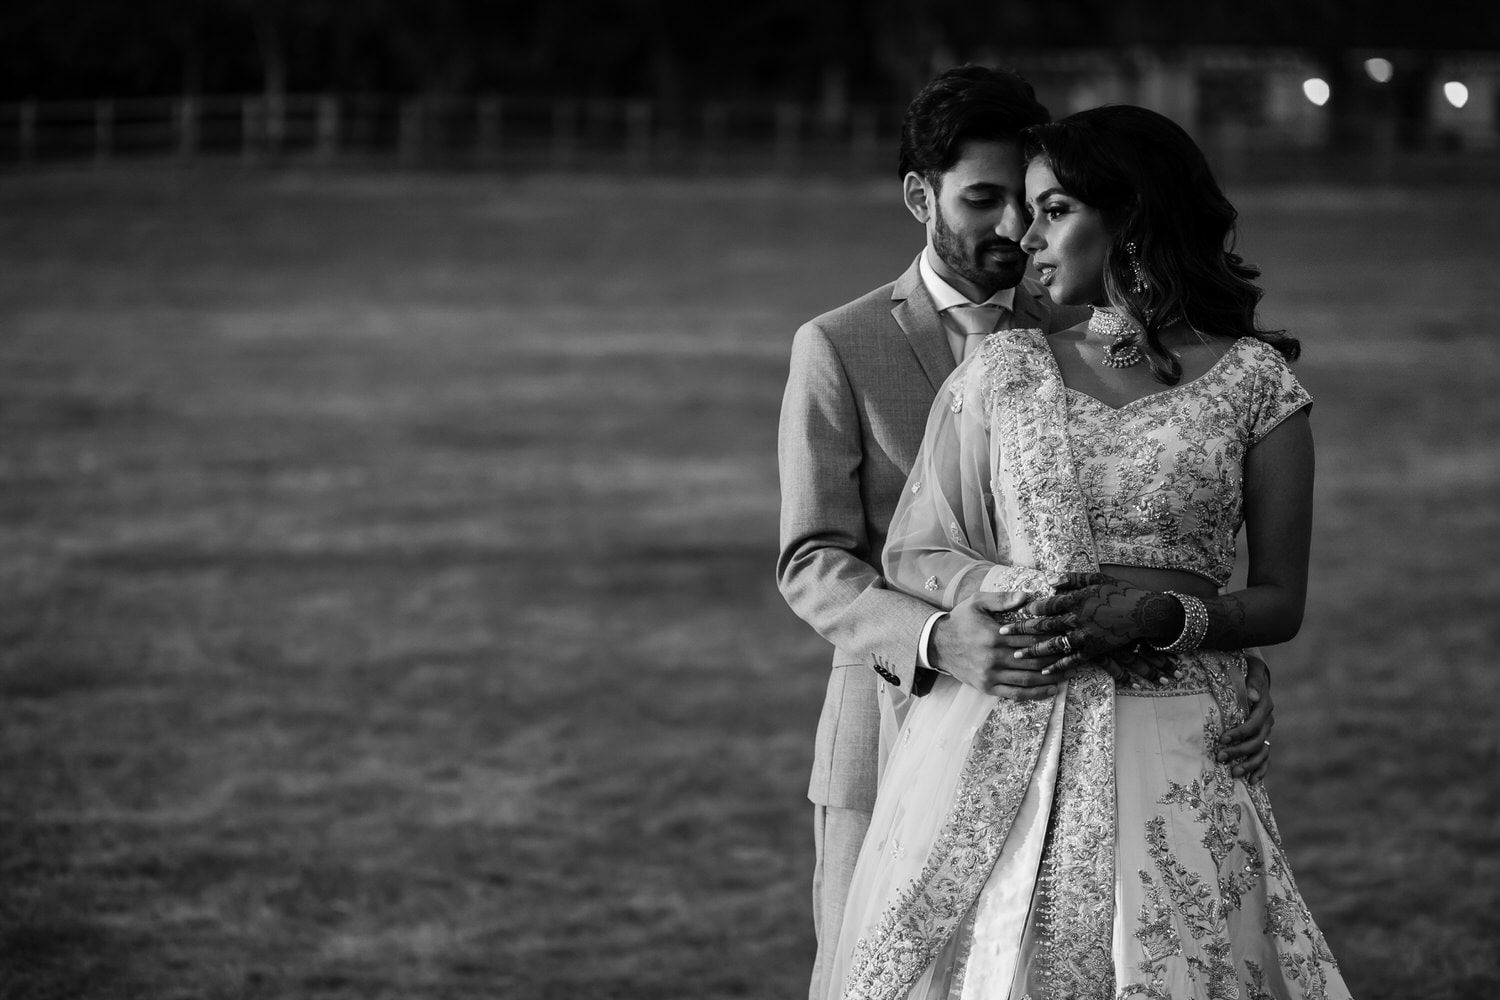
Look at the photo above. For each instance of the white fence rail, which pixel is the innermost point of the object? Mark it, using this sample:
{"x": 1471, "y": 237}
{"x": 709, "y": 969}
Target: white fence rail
{"x": 565, "y": 134}
{"x": 613, "y": 135}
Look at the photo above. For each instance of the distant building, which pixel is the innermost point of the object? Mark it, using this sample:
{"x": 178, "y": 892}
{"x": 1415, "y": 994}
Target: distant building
{"x": 1269, "y": 99}
{"x": 1475, "y": 76}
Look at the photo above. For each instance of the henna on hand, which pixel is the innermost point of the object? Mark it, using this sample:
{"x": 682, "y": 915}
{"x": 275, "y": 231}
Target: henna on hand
{"x": 1159, "y": 617}
{"x": 1077, "y": 581}
{"x": 1101, "y": 618}
{"x": 1096, "y": 620}
{"x": 1226, "y": 623}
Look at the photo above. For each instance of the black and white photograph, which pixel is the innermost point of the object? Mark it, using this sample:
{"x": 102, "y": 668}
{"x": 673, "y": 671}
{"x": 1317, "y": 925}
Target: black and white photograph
{"x": 643, "y": 499}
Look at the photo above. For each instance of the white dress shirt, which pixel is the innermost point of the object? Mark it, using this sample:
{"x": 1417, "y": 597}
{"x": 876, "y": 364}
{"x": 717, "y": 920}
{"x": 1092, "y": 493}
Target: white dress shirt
{"x": 946, "y": 297}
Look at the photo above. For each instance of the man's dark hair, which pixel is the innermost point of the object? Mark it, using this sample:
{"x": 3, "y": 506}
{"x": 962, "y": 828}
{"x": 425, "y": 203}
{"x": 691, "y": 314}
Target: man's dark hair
{"x": 963, "y": 105}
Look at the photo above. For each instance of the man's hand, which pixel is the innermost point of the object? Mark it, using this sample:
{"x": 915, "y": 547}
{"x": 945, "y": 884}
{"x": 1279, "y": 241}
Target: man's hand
{"x": 967, "y": 644}
{"x": 1249, "y": 743}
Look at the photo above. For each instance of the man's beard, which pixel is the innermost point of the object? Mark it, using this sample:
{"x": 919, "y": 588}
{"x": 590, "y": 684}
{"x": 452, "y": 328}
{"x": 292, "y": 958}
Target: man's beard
{"x": 951, "y": 251}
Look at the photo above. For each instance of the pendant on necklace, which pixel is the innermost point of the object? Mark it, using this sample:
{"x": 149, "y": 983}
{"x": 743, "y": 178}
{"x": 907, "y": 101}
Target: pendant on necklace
{"x": 1123, "y": 350}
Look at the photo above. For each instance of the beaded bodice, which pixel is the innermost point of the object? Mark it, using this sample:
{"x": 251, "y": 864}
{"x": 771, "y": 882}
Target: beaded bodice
{"x": 1162, "y": 475}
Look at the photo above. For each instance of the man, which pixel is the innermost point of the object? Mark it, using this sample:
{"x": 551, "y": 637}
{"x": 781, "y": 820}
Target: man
{"x": 863, "y": 379}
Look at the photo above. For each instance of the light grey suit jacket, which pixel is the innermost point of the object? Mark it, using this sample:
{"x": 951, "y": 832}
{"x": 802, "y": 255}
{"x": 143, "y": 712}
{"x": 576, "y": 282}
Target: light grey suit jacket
{"x": 863, "y": 379}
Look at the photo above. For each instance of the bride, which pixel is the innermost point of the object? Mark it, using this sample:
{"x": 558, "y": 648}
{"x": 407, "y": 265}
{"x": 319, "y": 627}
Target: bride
{"x": 1090, "y": 844}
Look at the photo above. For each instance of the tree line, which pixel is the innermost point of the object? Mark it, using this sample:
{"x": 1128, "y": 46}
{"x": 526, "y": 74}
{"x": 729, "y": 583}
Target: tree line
{"x": 661, "y": 50}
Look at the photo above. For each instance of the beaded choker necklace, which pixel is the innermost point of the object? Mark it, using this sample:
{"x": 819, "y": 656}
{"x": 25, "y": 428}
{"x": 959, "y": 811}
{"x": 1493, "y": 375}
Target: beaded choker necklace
{"x": 1123, "y": 350}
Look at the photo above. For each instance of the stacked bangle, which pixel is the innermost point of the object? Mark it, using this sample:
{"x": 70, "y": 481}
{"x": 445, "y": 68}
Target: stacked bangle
{"x": 1194, "y": 625}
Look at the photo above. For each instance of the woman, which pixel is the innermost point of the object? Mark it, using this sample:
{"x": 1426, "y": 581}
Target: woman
{"x": 1090, "y": 844}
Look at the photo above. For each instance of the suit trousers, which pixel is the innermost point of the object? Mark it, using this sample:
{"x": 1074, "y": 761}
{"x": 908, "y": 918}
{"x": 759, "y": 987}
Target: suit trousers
{"x": 838, "y": 835}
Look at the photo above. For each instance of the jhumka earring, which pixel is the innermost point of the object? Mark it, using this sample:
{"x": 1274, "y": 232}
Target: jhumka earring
{"x": 1138, "y": 285}
{"x": 1122, "y": 348}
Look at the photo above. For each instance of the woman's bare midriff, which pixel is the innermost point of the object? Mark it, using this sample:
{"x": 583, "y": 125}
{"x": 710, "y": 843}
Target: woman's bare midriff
{"x": 1150, "y": 578}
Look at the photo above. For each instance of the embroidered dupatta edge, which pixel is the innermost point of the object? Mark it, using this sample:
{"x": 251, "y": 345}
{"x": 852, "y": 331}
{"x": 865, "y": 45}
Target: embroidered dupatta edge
{"x": 1033, "y": 476}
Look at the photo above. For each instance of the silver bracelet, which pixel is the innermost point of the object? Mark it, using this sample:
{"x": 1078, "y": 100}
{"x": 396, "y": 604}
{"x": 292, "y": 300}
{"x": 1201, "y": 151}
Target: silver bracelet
{"x": 1194, "y": 625}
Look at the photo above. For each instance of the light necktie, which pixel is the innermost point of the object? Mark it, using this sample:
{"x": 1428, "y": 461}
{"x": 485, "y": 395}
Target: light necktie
{"x": 977, "y": 322}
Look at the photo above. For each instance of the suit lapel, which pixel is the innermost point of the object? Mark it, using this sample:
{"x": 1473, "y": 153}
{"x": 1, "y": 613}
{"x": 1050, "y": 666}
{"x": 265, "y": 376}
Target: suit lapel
{"x": 914, "y": 312}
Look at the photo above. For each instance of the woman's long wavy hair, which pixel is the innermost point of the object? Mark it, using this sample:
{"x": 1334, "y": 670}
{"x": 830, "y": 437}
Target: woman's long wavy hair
{"x": 1154, "y": 189}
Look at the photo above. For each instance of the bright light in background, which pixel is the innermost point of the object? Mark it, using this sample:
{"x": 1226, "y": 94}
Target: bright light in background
{"x": 1379, "y": 70}
{"x": 1316, "y": 90}
{"x": 1457, "y": 93}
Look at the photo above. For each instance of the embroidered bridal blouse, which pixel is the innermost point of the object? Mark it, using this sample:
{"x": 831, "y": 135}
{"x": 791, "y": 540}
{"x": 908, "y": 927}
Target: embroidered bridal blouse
{"x": 1162, "y": 475}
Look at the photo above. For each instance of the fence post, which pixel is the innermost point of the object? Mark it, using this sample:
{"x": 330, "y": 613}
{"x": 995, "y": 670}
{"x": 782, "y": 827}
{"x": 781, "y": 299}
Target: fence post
{"x": 1383, "y": 162}
{"x": 328, "y": 127}
{"x": 863, "y": 140}
{"x": 355, "y": 128}
{"x": 595, "y": 123}
{"x": 275, "y": 122}
{"x": 715, "y": 131}
{"x": 104, "y": 130}
{"x": 249, "y": 125}
{"x": 187, "y": 127}
{"x": 488, "y": 128}
{"x": 564, "y": 133}
{"x": 409, "y": 138}
{"x": 26, "y": 124}
{"x": 638, "y": 134}
{"x": 788, "y": 135}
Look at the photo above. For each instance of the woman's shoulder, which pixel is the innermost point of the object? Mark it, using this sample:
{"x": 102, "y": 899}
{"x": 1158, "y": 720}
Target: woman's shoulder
{"x": 1273, "y": 392}
{"x": 1020, "y": 341}
{"x": 1005, "y": 360}
{"x": 1259, "y": 352}
{"x": 1250, "y": 359}
{"x": 1012, "y": 352}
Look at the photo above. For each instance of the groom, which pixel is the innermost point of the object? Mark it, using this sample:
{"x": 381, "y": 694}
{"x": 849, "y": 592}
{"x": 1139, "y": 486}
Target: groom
{"x": 863, "y": 378}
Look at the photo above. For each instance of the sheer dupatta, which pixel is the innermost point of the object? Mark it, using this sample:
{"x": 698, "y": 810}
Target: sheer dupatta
{"x": 992, "y": 503}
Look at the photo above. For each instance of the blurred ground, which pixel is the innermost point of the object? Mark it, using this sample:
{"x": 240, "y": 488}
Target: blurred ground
{"x": 386, "y": 600}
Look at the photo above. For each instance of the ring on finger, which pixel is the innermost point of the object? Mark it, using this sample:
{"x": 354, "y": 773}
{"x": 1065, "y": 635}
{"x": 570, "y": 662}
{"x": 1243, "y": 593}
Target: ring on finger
{"x": 1066, "y": 642}
{"x": 1266, "y": 742}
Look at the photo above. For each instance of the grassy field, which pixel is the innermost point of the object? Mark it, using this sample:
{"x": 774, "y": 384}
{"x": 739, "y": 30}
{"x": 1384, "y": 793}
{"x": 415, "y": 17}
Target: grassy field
{"x": 386, "y": 598}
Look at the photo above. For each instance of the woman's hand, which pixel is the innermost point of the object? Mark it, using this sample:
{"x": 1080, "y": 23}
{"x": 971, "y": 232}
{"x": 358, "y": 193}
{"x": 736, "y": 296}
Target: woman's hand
{"x": 1093, "y": 617}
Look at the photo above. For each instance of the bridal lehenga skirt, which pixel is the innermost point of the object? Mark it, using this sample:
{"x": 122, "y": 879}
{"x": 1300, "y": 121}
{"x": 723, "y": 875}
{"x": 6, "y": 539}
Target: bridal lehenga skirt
{"x": 1087, "y": 846}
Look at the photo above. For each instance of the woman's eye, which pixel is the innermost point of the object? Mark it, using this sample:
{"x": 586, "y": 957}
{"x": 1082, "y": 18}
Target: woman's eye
{"x": 1053, "y": 212}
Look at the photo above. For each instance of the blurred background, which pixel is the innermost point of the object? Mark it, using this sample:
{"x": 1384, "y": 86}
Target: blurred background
{"x": 1275, "y": 88}
{"x": 388, "y": 395}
